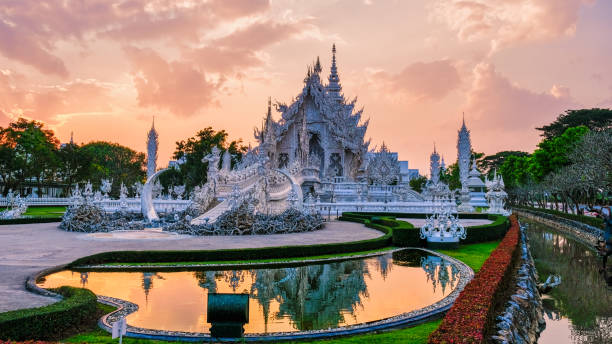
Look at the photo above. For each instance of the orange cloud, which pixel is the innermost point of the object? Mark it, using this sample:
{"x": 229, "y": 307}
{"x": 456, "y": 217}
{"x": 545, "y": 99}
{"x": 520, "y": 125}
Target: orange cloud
{"x": 506, "y": 114}
{"x": 29, "y": 30}
{"x": 176, "y": 86}
{"x": 46, "y": 102}
{"x": 423, "y": 80}
{"x": 505, "y": 22}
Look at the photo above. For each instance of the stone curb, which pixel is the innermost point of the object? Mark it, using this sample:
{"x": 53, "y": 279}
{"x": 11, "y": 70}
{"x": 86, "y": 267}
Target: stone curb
{"x": 402, "y": 320}
{"x": 586, "y": 234}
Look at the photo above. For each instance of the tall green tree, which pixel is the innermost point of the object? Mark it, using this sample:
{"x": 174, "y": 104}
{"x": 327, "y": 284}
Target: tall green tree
{"x": 417, "y": 184}
{"x": 73, "y": 166}
{"x": 552, "y": 154}
{"x": 194, "y": 149}
{"x": 34, "y": 156}
{"x": 107, "y": 160}
{"x": 595, "y": 119}
{"x": 491, "y": 163}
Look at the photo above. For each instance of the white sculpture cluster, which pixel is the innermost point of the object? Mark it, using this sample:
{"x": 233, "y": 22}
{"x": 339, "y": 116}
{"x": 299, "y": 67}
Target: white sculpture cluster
{"x": 383, "y": 167}
{"x": 442, "y": 225}
{"x": 15, "y": 207}
{"x": 496, "y": 195}
{"x": 435, "y": 189}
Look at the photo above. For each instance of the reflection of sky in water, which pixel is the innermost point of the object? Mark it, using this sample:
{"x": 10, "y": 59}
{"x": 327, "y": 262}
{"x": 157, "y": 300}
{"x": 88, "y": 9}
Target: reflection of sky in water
{"x": 281, "y": 299}
{"x": 580, "y": 309}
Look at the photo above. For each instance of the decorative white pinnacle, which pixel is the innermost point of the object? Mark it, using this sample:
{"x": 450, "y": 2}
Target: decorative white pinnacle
{"x": 334, "y": 88}
{"x": 152, "y": 144}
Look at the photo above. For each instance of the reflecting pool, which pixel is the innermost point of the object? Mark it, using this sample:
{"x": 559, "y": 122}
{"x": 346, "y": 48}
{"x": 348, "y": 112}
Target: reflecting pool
{"x": 281, "y": 299}
{"x": 580, "y": 309}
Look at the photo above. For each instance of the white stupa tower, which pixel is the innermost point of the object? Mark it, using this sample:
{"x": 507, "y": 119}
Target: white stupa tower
{"x": 464, "y": 153}
{"x": 434, "y": 166}
{"x": 152, "y": 143}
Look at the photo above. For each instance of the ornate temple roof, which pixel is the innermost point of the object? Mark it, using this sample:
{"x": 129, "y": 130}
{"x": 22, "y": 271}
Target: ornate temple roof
{"x": 339, "y": 114}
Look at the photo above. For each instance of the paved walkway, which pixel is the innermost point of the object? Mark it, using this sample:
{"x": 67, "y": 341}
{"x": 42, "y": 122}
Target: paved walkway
{"x": 27, "y": 249}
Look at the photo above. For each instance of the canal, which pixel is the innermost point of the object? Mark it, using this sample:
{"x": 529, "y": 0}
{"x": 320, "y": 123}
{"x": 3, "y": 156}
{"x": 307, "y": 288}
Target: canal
{"x": 580, "y": 309}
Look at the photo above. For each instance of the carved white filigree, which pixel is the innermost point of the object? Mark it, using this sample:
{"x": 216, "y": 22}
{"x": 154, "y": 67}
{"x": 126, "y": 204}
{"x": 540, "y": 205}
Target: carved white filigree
{"x": 496, "y": 195}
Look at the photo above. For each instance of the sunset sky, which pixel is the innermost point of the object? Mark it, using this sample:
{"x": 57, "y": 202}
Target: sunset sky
{"x": 104, "y": 68}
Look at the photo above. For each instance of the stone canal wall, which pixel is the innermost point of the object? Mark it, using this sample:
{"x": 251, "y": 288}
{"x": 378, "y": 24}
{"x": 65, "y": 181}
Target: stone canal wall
{"x": 522, "y": 319}
{"x": 583, "y": 232}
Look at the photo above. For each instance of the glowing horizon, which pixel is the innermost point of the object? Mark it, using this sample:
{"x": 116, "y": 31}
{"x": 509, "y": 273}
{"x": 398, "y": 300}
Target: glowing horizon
{"x": 103, "y": 69}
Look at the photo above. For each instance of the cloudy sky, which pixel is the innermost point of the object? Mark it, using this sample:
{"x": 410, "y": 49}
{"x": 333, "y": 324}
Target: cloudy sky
{"x": 104, "y": 68}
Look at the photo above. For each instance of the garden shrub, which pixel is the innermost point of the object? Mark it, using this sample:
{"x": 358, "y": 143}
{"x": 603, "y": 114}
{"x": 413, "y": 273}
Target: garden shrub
{"x": 472, "y": 315}
{"x": 488, "y": 232}
{"x": 27, "y": 220}
{"x": 78, "y": 307}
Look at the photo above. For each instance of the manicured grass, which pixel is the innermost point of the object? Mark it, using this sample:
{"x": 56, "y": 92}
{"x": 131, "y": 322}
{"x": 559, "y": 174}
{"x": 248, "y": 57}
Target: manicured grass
{"x": 412, "y": 335}
{"x": 326, "y": 256}
{"x": 43, "y": 211}
{"x": 100, "y": 336}
{"x": 46, "y": 211}
{"x": 474, "y": 255}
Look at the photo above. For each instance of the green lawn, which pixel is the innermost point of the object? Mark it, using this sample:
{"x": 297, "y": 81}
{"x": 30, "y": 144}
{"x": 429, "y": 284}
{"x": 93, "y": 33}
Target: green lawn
{"x": 44, "y": 211}
{"x": 474, "y": 255}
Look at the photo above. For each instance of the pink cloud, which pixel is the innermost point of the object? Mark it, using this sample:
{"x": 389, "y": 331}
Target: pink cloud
{"x": 506, "y": 114}
{"x": 238, "y": 50}
{"x": 47, "y": 102}
{"x": 261, "y": 34}
{"x": 176, "y": 86}
{"x": 29, "y": 30}
{"x": 423, "y": 80}
{"x": 20, "y": 47}
{"x": 505, "y": 22}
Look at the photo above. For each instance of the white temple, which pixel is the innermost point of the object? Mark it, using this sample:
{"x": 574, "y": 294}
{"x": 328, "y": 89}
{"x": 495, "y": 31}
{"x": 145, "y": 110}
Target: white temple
{"x": 152, "y": 144}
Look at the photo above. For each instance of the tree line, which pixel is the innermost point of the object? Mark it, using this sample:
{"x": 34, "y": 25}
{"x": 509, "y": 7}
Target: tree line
{"x": 571, "y": 168}
{"x": 32, "y": 156}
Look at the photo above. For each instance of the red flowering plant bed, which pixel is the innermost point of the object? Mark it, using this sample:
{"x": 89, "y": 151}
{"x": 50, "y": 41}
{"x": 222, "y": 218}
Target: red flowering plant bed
{"x": 472, "y": 315}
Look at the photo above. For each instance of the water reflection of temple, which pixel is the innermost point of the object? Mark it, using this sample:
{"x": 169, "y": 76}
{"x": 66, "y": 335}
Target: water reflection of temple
{"x": 313, "y": 296}
{"x": 147, "y": 283}
{"x": 440, "y": 271}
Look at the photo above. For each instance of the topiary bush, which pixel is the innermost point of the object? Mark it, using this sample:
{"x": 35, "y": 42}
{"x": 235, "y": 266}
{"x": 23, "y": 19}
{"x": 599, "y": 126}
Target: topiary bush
{"x": 472, "y": 314}
{"x": 78, "y": 307}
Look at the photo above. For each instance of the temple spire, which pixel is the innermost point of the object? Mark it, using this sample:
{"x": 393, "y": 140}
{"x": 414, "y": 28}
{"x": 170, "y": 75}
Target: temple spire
{"x": 334, "y": 88}
{"x": 71, "y": 138}
{"x": 152, "y": 144}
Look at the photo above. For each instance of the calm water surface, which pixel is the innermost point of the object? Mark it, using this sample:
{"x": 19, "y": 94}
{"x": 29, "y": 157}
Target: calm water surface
{"x": 307, "y": 297}
{"x": 580, "y": 309}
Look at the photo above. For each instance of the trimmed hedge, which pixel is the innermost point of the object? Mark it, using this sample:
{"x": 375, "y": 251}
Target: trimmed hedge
{"x": 473, "y": 313}
{"x": 240, "y": 254}
{"x": 79, "y": 306}
{"x": 465, "y": 216}
{"x": 591, "y": 221}
{"x": 405, "y": 234}
{"x": 488, "y": 232}
{"x": 27, "y": 220}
